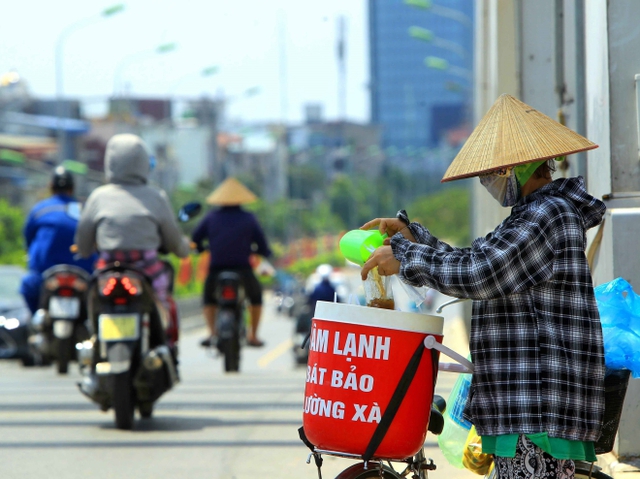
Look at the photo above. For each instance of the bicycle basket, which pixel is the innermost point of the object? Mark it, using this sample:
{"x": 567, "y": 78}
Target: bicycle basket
{"x": 615, "y": 388}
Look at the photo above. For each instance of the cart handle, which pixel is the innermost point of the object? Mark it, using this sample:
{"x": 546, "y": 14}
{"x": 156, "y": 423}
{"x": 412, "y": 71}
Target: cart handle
{"x": 465, "y": 365}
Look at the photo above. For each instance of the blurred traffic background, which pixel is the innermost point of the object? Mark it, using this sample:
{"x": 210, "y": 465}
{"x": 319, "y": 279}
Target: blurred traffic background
{"x": 326, "y": 110}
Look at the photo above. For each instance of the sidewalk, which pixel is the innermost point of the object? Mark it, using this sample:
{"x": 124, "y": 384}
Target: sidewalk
{"x": 619, "y": 470}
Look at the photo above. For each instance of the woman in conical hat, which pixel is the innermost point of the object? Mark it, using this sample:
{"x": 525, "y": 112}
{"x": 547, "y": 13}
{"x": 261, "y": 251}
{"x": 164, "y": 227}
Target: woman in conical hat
{"x": 232, "y": 235}
{"x": 231, "y": 193}
{"x": 537, "y": 395}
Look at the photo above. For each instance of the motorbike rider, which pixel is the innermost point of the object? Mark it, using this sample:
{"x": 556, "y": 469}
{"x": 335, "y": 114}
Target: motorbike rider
{"x": 232, "y": 233}
{"x": 324, "y": 290}
{"x": 49, "y": 232}
{"x": 130, "y": 221}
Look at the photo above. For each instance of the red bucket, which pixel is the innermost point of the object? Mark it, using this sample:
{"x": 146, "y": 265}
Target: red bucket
{"x": 357, "y": 356}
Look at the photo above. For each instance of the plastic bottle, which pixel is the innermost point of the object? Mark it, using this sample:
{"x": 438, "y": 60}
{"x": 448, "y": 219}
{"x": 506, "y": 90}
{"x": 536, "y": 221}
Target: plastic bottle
{"x": 456, "y": 428}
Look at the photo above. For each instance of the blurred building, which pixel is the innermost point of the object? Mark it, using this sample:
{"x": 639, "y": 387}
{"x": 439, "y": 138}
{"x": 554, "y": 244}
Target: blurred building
{"x": 337, "y": 147}
{"x": 421, "y": 57}
{"x": 29, "y": 146}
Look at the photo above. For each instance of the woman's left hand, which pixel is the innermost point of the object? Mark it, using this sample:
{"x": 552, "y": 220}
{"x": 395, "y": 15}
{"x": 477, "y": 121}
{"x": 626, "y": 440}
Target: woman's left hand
{"x": 383, "y": 258}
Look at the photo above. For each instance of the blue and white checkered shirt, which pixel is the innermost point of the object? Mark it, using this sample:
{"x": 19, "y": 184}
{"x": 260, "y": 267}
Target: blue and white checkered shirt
{"x": 535, "y": 339}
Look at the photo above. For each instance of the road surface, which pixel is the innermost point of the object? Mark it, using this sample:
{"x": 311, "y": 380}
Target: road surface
{"x": 212, "y": 425}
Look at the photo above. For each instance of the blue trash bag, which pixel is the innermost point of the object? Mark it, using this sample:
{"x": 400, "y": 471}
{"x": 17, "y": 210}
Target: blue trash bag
{"x": 619, "y": 308}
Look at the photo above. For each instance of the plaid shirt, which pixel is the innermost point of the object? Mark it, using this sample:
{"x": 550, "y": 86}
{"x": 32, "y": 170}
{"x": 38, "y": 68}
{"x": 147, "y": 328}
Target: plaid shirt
{"x": 536, "y": 339}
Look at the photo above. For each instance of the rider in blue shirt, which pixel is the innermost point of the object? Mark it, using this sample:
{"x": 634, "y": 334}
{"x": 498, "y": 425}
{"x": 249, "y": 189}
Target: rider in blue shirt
{"x": 324, "y": 290}
{"x": 49, "y": 233}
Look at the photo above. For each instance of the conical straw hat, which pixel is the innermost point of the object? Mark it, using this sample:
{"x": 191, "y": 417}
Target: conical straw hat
{"x": 231, "y": 192}
{"x": 512, "y": 133}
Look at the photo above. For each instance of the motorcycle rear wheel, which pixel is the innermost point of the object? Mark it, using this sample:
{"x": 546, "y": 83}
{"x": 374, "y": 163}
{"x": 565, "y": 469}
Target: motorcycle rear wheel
{"x": 65, "y": 353}
{"x": 123, "y": 400}
{"x": 145, "y": 409}
{"x": 230, "y": 348}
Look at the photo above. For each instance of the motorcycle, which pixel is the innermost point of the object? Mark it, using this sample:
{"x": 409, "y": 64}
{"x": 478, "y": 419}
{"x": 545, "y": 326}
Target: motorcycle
{"x": 301, "y": 334}
{"x": 131, "y": 358}
{"x": 230, "y": 324}
{"x": 60, "y": 323}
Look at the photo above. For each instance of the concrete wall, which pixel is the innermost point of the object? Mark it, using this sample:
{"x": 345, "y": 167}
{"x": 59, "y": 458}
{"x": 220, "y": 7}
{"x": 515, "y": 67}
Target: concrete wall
{"x": 534, "y": 50}
{"x": 496, "y": 73}
{"x": 613, "y": 60}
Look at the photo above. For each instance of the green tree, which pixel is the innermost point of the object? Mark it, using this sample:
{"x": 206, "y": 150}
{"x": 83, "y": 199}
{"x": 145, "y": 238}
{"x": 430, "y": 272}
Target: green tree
{"x": 306, "y": 181}
{"x": 12, "y": 247}
{"x": 446, "y": 214}
{"x": 344, "y": 199}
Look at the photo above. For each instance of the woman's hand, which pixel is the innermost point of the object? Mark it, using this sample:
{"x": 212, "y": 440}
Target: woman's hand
{"x": 390, "y": 226}
{"x": 385, "y": 225}
{"x": 383, "y": 258}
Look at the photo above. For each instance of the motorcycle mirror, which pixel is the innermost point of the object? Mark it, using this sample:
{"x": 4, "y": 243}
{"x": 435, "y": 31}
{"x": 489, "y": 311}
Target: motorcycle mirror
{"x": 188, "y": 211}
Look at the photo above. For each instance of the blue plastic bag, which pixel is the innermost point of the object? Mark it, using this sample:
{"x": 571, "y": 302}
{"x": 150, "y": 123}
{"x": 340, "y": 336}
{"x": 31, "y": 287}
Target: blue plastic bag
{"x": 619, "y": 308}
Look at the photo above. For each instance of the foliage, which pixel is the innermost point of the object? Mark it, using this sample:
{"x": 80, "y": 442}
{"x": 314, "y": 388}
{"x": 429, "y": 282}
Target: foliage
{"x": 12, "y": 249}
{"x": 305, "y": 267}
{"x": 306, "y": 181}
{"x": 446, "y": 214}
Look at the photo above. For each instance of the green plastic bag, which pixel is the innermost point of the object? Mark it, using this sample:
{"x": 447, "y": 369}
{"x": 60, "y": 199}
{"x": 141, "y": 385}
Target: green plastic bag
{"x": 456, "y": 429}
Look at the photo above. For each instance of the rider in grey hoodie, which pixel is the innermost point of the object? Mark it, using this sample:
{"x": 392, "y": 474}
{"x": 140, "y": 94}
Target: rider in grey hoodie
{"x": 127, "y": 219}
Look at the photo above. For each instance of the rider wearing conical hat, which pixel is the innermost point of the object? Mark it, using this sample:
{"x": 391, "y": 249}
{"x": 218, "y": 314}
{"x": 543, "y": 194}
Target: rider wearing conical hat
{"x": 537, "y": 394}
{"x": 232, "y": 235}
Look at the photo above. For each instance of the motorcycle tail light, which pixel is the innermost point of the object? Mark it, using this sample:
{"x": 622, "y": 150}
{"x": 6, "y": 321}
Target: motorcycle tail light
{"x": 66, "y": 292}
{"x": 107, "y": 285}
{"x": 228, "y": 293}
{"x": 131, "y": 285}
{"x": 68, "y": 280}
{"x": 124, "y": 285}
{"x": 51, "y": 284}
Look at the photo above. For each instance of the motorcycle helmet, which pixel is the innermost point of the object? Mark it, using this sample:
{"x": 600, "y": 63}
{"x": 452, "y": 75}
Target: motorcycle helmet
{"x": 324, "y": 271}
{"x": 62, "y": 180}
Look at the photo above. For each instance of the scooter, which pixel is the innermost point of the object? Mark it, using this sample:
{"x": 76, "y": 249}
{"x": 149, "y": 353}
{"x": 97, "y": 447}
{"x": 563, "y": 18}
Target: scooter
{"x": 301, "y": 334}
{"x": 60, "y": 323}
{"x": 230, "y": 316}
{"x": 129, "y": 361}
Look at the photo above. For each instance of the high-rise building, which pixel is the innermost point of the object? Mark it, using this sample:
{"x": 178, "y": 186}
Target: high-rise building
{"x": 421, "y": 58}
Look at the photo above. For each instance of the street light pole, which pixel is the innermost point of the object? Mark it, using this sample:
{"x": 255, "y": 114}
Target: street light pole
{"x": 441, "y": 11}
{"x": 428, "y": 36}
{"x": 205, "y": 72}
{"x": 438, "y": 63}
{"x": 108, "y": 12}
{"x": 129, "y": 59}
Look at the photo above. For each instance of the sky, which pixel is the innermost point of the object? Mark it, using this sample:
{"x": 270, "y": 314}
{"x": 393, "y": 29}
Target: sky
{"x": 274, "y": 45}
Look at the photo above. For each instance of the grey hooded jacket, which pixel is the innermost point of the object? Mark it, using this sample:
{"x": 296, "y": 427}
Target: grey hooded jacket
{"x": 127, "y": 214}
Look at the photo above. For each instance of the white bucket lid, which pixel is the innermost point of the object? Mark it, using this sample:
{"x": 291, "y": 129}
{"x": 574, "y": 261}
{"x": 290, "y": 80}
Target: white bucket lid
{"x": 378, "y": 317}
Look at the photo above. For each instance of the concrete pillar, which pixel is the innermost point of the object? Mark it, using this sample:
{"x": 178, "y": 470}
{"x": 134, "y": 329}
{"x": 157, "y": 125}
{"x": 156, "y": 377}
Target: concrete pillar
{"x": 612, "y": 61}
{"x": 533, "y": 50}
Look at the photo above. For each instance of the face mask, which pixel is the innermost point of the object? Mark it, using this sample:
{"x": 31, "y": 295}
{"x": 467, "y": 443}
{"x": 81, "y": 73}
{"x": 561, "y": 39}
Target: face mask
{"x": 503, "y": 186}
